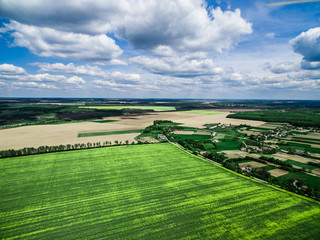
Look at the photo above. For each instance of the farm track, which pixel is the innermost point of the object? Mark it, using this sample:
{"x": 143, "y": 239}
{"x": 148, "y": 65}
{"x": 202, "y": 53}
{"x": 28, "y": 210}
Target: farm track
{"x": 155, "y": 191}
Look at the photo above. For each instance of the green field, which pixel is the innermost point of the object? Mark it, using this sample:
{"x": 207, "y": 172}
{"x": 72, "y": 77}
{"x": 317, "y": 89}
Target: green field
{"x": 299, "y": 164}
{"x": 203, "y": 112}
{"x": 93, "y": 134}
{"x": 155, "y": 191}
{"x": 155, "y": 108}
{"x": 193, "y": 136}
{"x": 105, "y": 121}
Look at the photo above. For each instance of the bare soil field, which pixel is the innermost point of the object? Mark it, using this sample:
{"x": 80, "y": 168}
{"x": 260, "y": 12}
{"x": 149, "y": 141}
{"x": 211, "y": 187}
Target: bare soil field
{"x": 248, "y": 132}
{"x": 284, "y": 157}
{"x": 315, "y": 155}
{"x": 252, "y": 164}
{"x": 39, "y": 135}
{"x": 239, "y": 154}
{"x": 235, "y": 153}
{"x": 184, "y": 132}
{"x": 310, "y": 135}
{"x": 148, "y": 140}
{"x": 278, "y": 172}
{"x": 316, "y": 171}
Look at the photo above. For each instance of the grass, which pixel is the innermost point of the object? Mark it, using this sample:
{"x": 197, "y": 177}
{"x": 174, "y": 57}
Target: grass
{"x": 306, "y": 178}
{"x": 105, "y": 121}
{"x": 228, "y": 145}
{"x": 155, "y": 108}
{"x": 298, "y": 133}
{"x": 153, "y": 191}
{"x": 193, "y": 136}
{"x": 93, "y": 134}
{"x": 302, "y": 146}
{"x": 306, "y": 140}
{"x": 203, "y": 112}
{"x": 299, "y": 164}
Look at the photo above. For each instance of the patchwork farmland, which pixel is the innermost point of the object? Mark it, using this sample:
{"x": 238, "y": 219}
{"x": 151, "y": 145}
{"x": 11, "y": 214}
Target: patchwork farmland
{"x": 155, "y": 191}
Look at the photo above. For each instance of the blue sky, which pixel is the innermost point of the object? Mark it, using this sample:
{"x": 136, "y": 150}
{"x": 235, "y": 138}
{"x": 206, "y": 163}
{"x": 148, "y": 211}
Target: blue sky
{"x": 229, "y": 49}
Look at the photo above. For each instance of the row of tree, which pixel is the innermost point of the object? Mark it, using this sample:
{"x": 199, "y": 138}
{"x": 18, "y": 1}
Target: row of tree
{"x": 59, "y": 148}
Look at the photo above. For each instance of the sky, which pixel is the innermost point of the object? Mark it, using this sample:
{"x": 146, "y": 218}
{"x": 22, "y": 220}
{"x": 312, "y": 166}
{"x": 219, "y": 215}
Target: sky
{"x": 196, "y": 49}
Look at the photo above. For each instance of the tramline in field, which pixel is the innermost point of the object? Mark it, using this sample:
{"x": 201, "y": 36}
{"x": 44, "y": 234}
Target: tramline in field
{"x": 155, "y": 191}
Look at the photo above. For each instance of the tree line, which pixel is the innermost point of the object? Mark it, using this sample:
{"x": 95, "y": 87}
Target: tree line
{"x": 69, "y": 147}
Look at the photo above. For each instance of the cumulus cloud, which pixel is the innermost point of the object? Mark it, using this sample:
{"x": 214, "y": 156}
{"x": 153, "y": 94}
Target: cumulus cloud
{"x": 308, "y": 44}
{"x": 69, "y": 68}
{"x": 182, "y": 25}
{"x": 75, "y": 80}
{"x": 310, "y": 65}
{"x": 178, "y": 66}
{"x": 9, "y": 69}
{"x": 48, "y": 42}
{"x": 18, "y": 77}
{"x": 283, "y": 67}
{"x": 34, "y": 85}
{"x": 87, "y": 70}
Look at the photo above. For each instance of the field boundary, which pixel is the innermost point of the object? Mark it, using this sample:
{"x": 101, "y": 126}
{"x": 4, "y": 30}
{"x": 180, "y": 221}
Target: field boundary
{"x": 252, "y": 179}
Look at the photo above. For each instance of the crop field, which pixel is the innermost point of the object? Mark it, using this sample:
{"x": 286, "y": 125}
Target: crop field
{"x": 91, "y": 134}
{"x": 51, "y": 135}
{"x": 105, "y": 121}
{"x": 155, "y": 108}
{"x": 155, "y": 191}
{"x": 299, "y": 164}
{"x": 203, "y": 112}
{"x": 306, "y": 178}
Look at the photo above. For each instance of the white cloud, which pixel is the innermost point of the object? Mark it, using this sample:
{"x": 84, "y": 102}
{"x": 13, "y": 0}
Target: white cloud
{"x": 308, "y": 44}
{"x": 48, "y": 42}
{"x": 93, "y": 71}
{"x": 34, "y": 85}
{"x": 236, "y": 77}
{"x": 310, "y": 65}
{"x": 182, "y": 25}
{"x": 178, "y": 66}
{"x": 75, "y": 80}
{"x": 270, "y": 35}
{"x": 69, "y": 68}
{"x": 9, "y": 69}
{"x": 283, "y": 67}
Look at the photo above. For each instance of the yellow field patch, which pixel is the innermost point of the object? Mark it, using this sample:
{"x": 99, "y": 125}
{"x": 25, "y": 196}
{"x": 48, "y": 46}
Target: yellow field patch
{"x": 148, "y": 140}
{"x": 284, "y": 157}
{"x": 278, "y": 172}
{"x": 253, "y": 164}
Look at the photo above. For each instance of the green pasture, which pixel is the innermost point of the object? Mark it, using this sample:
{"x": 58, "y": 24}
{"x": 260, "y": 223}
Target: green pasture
{"x": 192, "y": 136}
{"x": 154, "y": 191}
{"x": 306, "y": 140}
{"x": 302, "y": 146}
{"x": 232, "y": 145}
{"x": 105, "y": 121}
{"x": 306, "y": 178}
{"x": 93, "y": 134}
{"x": 155, "y": 108}
{"x": 299, "y": 164}
{"x": 203, "y": 112}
